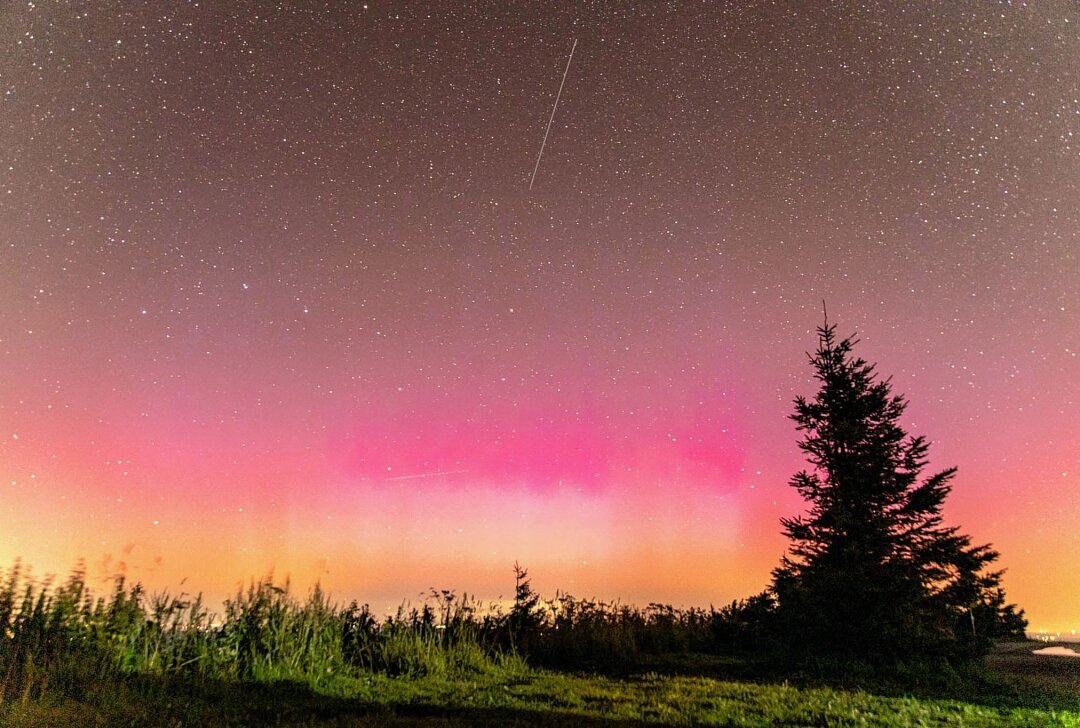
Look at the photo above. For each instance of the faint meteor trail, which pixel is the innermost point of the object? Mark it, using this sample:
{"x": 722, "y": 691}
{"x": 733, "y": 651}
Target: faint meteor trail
{"x": 426, "y": 475}
{"x": 552, "y": 117}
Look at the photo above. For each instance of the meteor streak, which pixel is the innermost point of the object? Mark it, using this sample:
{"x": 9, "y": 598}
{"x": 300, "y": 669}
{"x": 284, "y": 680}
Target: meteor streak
{"x": 552, "y": 117}
{"x": 427, "y": 475}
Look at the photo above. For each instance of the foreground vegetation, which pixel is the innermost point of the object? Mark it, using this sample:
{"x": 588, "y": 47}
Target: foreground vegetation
{"x": 528, "y": 698}
{"x": 69, "y": 658}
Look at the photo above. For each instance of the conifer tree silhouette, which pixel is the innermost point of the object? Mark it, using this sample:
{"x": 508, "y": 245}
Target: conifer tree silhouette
{"x": 526, "y": 616}
{"x": 872, "y": 570}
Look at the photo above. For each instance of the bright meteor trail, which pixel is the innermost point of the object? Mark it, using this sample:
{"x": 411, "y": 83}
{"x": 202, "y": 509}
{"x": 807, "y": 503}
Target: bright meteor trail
{"x": 552, "y": 117}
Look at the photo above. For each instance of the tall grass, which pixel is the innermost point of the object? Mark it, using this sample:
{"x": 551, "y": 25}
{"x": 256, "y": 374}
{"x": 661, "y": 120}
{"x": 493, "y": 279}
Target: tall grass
{"x": 55, "y": 635}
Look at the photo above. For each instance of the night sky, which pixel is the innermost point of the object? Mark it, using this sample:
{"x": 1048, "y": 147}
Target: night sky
{"x": 275, "y": 293}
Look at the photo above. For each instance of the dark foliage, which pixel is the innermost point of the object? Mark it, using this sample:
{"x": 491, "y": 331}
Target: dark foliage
{"x": 526, "y": 616}
{"x": 746, "y": 625}
{"x": 53, "y": 636}
{"x": 872, "y": 570}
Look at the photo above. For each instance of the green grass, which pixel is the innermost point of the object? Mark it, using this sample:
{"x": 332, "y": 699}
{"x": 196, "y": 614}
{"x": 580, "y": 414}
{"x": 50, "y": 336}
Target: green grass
{"x": 514, "y": 696}
{"x": 68, "y": 658}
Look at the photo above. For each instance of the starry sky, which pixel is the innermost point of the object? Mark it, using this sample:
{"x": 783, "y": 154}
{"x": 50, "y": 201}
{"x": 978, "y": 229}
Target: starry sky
{"x": 275, "y": 293}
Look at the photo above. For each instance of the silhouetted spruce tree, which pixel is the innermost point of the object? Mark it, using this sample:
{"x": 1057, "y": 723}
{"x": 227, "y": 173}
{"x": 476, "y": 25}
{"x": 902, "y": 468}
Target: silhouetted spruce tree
{"x": 872, "y": 571}
{"x": 526, "y": 616}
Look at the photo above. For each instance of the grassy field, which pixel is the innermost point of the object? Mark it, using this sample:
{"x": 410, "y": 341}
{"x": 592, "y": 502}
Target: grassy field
{"x": 68, "y": 658}
{"x": 1014, "y": 688}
